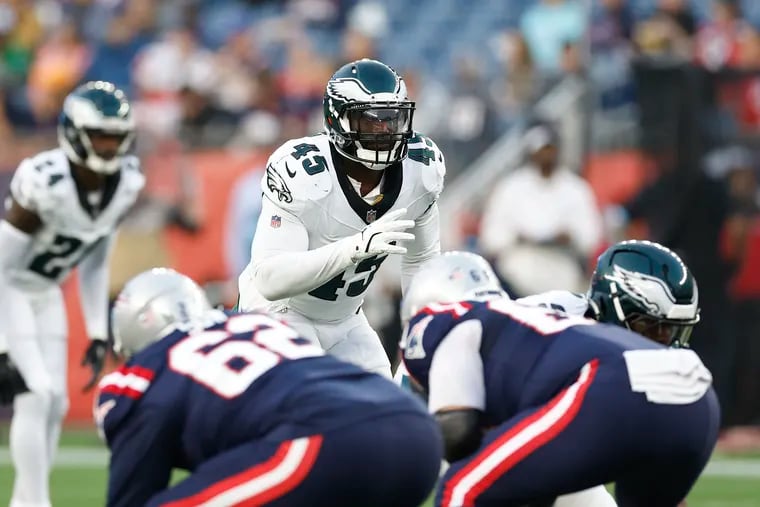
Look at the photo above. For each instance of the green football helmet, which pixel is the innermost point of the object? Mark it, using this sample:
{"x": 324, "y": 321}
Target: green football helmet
{"x": 96, "y": 108}
{"x": 646, "y": 288}
{"x": 367, "y": 113}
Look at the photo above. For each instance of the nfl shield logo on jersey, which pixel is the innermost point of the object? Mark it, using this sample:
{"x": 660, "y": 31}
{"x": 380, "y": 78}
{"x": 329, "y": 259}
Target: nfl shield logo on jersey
{"x": 276, "y": 221}
{"x": 371, "y": 216}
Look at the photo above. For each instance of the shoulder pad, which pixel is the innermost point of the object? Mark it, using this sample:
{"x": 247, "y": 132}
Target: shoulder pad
{"x": 565, "y": 301}
{"x": 132, "y": 174}
{"x": 117, "y": 396}
{"x": 33, "y": 179}
{"x": 426, "y": 154}
{"x": 297, "y": 172}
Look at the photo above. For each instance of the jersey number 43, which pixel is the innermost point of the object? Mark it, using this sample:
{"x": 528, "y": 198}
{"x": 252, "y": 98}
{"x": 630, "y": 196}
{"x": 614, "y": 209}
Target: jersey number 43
{"x": 329, "y": 290}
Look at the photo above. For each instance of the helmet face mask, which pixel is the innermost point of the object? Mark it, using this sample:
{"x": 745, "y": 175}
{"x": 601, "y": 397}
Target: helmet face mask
{"x": 646, "y": 288}
{"x": 96, "y": 127}
{"x": 664, "y": 331}
{"x": 368, "y": 115}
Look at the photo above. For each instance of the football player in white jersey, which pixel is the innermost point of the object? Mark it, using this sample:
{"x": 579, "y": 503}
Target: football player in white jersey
{"x": 63, "y": 209}
{"x": 337, "y": 204}
{"x": 640, "y": 285}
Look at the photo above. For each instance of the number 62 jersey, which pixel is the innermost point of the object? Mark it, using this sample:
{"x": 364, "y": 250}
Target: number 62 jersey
{"x": 308, "y": 204}
{"x": 71, "y": 225}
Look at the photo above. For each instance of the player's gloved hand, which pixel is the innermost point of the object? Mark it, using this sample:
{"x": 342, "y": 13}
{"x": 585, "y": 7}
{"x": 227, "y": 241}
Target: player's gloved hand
{"x": 95, "y": 358}
{"x": 11, "y": 381}
{"x": 378, "y": 237}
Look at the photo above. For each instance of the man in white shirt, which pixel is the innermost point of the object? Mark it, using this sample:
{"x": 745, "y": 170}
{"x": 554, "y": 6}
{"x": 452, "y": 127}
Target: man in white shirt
{"x": 541, "y": 223}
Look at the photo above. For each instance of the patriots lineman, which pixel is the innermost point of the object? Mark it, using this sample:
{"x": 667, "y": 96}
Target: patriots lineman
{"x": 256, "y": 413}
{"x": 337, "y": 204}
{"x": 535, "y": 403}
{"x": 63, "y": 209}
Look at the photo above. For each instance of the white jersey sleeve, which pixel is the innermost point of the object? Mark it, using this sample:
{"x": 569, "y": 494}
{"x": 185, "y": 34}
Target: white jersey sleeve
{"x": 427, "y": 232}
{"x": 565, "y": 301}
{"x": 456, "y": 370}
{"x": 28, "y": 184}
{"x": 281, "y": 264}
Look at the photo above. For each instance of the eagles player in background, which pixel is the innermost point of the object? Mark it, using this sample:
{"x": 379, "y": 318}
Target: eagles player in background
{"x": 640, "y": 285}
{"x": 337, "y": 204}
{"x": 63, "y": 209}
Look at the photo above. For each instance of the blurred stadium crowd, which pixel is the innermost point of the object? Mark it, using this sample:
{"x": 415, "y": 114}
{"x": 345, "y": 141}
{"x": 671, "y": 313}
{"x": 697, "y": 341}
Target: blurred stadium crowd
{"x": 668, "y": 148}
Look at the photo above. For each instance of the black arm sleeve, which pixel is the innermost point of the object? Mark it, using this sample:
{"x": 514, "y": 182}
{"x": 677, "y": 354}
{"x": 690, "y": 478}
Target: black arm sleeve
{"x": 461, "y": 432}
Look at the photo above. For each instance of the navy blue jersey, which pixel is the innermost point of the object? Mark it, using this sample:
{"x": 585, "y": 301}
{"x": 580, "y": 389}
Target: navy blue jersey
{"x": 193, "y": 395}
{"x": 515, "y": 357}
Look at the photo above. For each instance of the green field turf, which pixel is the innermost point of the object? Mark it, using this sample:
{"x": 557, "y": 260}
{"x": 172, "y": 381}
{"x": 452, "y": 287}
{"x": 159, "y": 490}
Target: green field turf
{"x": 80, "y": 477}
{"x": 85, "y": 486}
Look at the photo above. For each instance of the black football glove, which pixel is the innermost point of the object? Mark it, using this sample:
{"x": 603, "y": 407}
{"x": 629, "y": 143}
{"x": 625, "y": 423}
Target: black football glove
{"x": 95, "y": 358}
{"x": 11, "y": 382}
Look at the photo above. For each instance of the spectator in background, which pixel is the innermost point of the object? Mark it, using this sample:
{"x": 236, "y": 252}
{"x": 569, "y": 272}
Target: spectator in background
{"x": 20, "y": 33}
{"x": 611, "y": 52}
{"x": 718, "y": 42}
{"x": 366, "y": 23}
{"x": 548, "y": 26}
{"x": 541, "y": 224}
{"x": 470, "y": 126}
{"x": 745, "y": 105}
{"x": 685, "y": 210}
{"x": 129, "y": 28}
{"x": 740, "y": 246}
{"x": 59, "y": 65}
{"x": 301, "y": 84}
{"x": 668, "y": 33}
{"x": 202, "y": 122}
{"x": 517, "y": 87}
{"x": 161, "y": 70}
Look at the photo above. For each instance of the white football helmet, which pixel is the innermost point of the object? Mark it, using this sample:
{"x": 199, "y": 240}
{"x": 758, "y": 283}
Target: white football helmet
{"x": 449, "y": 278}
{"x": 152, "y": 304}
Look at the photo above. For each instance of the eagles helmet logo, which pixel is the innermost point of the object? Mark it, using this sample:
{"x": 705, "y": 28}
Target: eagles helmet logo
{"x": 650, "y": 291}
{"x": 277, "y": 185}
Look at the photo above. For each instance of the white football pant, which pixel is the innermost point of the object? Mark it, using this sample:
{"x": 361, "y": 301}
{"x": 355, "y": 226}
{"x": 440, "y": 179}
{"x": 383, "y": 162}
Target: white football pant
{"x": 352, "y": 340}
{"x": 593, "y": 497}
{"x": 40, "y": 353}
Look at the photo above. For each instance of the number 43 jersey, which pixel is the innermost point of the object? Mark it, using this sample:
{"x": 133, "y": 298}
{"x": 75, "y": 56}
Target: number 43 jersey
{"x": 305, "y": 193}
{"x": 71, "y": 224}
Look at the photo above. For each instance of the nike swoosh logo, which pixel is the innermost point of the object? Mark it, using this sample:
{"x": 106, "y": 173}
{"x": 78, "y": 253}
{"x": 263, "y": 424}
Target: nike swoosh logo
{"x": 292, "y": 174}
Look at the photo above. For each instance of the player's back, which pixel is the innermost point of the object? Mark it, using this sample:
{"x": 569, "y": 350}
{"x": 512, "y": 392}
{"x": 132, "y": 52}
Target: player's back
{"x": 528, "y": 354}
{"x": 242, "y": 378}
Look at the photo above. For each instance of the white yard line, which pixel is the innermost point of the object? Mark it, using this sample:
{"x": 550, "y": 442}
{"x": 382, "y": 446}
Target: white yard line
{"x": 91, "y": 457}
